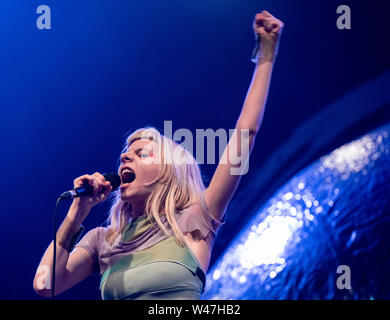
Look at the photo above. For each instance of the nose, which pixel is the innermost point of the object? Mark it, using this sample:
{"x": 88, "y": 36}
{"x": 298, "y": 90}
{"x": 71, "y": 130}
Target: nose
{"x": 126, "y": 157}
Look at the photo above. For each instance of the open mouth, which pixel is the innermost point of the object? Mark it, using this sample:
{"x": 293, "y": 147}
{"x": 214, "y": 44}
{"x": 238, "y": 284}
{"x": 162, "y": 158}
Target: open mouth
{"x": 127, "y": 176}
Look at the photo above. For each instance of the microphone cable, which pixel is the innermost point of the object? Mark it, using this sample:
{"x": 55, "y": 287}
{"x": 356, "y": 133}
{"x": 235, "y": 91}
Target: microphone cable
{"x": 53, "y": 278}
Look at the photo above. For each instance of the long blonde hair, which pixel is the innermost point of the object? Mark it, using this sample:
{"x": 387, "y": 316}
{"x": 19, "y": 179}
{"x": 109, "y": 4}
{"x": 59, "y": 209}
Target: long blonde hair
{"x": 179, "y": 185}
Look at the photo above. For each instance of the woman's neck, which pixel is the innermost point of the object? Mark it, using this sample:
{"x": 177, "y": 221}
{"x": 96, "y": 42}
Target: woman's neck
{"x": 137, "y": 209}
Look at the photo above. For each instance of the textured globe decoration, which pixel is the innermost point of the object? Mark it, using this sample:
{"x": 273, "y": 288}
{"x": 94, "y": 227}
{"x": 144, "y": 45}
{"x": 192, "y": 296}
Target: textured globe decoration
{"x": 324, "y": 235}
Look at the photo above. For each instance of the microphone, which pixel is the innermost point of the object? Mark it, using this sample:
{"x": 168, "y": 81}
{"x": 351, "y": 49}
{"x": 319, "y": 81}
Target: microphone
{"x": 87, "y": 190}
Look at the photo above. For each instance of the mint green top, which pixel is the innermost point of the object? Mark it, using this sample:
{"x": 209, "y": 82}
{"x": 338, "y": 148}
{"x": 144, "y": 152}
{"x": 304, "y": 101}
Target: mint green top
{"x": 162, "y": 271}
{"x": 145, "y": 263}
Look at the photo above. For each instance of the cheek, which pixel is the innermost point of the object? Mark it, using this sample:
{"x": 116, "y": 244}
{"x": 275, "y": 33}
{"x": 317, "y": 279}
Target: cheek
{"x": 149, "y": 172}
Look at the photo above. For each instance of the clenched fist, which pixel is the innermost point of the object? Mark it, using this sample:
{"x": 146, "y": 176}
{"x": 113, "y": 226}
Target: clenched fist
{"x": 267, "y": 31}
{"x": 101, "y": 189}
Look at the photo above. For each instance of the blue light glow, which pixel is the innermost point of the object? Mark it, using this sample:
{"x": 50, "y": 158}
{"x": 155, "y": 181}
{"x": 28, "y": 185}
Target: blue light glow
{"x": 299, "y": 223}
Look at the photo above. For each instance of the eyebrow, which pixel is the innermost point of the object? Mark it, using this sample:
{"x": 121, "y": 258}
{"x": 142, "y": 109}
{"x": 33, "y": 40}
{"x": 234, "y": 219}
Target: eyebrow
{"x": 140, "y": 148}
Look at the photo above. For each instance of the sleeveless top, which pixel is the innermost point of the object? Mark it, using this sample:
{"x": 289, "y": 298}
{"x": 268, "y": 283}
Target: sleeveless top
{"x": 144, "y": 263}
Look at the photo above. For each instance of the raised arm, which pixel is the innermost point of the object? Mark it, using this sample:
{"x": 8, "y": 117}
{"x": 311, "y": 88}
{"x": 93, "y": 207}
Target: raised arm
{"x": 235, "y": 159}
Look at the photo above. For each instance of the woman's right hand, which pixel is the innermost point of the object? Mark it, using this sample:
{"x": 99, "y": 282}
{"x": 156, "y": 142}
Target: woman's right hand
{"x": 101, "y": 190}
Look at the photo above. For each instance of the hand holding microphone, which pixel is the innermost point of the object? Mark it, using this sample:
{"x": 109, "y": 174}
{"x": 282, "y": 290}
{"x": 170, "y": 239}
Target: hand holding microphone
{"x": 90, "y": 190}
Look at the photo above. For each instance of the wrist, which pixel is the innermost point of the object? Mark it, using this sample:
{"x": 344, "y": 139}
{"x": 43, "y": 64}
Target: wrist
{"x": 265, "y": 50}
{"x": 264, "y": 54}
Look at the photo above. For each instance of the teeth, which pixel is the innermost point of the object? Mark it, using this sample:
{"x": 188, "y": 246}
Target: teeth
{"x": 127, "y": 175}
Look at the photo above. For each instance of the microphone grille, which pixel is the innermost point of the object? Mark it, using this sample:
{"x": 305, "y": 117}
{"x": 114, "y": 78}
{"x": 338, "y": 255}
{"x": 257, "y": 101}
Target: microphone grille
{"x": 113, "y": 178}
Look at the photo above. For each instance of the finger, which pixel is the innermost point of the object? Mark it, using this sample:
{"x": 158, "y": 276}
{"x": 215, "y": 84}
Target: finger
{"x": 104, "y": 187}
{"x": 94, "y": 184}
{"x": 263, "y": 15}
{"x": 266, "y": 13}
{"x": 105, "y": 192}
{"x": 100, "y": 180}
{"x": 264, "y": 21}
{"x": 277, "y": 27}
{"x": 100, "y": 188}
{"x": 78, "y": 182}
{"x": 81, "y": 178}
{"x": 272, "y": 25}
{"x": 99, "y": 177}
{"x": 258, "y": 21}
{"x": 267, "y": 21}
{"x": 261, "y": 30}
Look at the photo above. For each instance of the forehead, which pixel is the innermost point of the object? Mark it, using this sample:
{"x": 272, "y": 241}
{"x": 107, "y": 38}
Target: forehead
{"x": 145, "y": 143}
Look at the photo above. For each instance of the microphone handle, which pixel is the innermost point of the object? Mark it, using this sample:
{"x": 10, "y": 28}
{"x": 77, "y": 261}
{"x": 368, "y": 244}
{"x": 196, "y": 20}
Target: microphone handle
{"x": 87, "y": 190}
{"x": 77, "y": 192}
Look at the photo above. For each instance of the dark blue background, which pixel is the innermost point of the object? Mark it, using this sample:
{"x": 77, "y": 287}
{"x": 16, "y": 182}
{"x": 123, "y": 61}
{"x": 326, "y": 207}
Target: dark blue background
{"x": 69, "y": 95}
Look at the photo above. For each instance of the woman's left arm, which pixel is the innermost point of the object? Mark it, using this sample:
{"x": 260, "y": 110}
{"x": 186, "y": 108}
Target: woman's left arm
{"x": 235, "y": 159}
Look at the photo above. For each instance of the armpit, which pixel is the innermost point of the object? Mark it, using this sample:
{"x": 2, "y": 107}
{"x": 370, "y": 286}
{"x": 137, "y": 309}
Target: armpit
{"x": 199, "y": 223}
